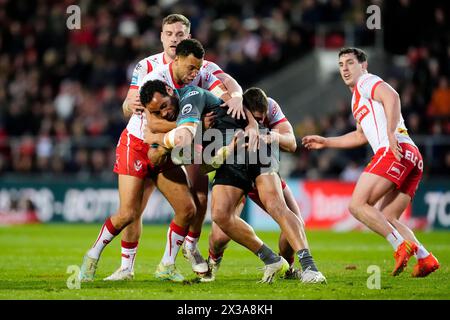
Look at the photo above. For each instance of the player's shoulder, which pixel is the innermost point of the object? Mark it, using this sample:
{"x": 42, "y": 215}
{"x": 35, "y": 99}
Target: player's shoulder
{"x": 272, "y": 102}
{"x": 273, "y": 105}
{"x": 160, "y": 72}
{"x": 211, "y": 67}
{"x": 157, "y": 58}
{"x": 151, "y": 62}
{"x": 368, "y": 79}
{"x": 274, "y": 112}
{"x": 190, "y": 91}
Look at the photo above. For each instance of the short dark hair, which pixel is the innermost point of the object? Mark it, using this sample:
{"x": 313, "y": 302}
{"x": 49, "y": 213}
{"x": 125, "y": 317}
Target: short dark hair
{"x": 255, "y": 99}
{"x": 190, "y": 46}
{"x": 360, "y": 55}
{"x": 149, "y": 88}
{"x": 174, "y": 18}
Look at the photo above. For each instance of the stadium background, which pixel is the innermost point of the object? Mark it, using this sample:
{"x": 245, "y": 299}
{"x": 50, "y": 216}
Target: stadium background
{"x": 61, "y": 92}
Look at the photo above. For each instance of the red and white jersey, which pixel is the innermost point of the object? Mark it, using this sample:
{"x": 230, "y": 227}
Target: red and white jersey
{"x": 371, "y": 116}
{"x": 211, "y": 67}
{"x": 146, "y": 66}
{"x": 274, "y": 114}
{"x": 203, "y": 79}
{"x": 164, "y": 73}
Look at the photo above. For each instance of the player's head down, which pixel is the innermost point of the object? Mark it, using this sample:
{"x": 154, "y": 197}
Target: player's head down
{"x": 159, "y": 99}
{"x": 352, "y": 65}
{"x": 175, "y": 28}
{"x": 188, "y": 60}
{"x": 255, "y": 100}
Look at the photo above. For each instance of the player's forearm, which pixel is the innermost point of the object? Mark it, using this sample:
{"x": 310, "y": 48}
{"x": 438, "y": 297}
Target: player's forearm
{"x": 347, "y": 141}
{"x": 179, "y": 137}
{"x": 392, "y": 110}
{"x": 158, "y": 125}
{"x": 250, "y": 118}
{"x": 286, "y": 141}
{"x": 230, "y": 84}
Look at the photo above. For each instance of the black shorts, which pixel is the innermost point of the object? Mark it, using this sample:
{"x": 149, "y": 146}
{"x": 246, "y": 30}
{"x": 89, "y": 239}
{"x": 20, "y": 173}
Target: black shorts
{"x": 243, "y": 175}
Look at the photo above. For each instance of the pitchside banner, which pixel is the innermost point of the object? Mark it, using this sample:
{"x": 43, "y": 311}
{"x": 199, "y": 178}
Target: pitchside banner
{"x": 324, "y": 204}
{"x": 66, "y": 201}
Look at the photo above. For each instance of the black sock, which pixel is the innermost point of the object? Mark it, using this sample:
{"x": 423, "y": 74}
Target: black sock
{"x": 267, "y": 255}
{"x": 306, "y": 260}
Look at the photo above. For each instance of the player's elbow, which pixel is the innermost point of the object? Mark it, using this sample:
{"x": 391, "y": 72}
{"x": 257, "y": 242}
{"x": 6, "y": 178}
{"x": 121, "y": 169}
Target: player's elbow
{"x": 362, "y": 139}
{"x": 292, "y": 146}
{"x": 392, "y": 99}
{"x": 125, "y": 109}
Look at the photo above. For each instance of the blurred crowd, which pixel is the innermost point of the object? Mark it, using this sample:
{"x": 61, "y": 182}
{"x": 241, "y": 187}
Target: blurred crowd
{"x": 61, "y": 90}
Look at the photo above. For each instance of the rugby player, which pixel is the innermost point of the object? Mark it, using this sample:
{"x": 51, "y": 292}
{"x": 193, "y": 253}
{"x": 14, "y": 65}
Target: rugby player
{"x": 267, "y": 112}
{"x": 232, "y": 181}
{"x": 132, "y": 165}
{"x": 392, "y": 176}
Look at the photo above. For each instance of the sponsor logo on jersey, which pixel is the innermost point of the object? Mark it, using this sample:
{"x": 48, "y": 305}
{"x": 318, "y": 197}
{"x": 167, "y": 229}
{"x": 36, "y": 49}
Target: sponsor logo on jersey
{"x": 396, "y": 170}
{"x": 139, "y": 66}
{"x": 190, "y": 94}
{"x": 360, "y": 113}
{"x": 138, "y": 165}
{"x": 186, "y": 109}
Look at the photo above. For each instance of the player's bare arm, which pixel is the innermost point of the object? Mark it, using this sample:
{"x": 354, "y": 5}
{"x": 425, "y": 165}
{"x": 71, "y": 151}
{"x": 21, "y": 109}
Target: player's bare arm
{"x": 158, "y": 124}
{"x": 350, "y": 140}
{"x": 132, "y": 104}
{"x": 252, "y": 128}
{"x": 283, "y": 134}
{"x": 180, "y": 136}
{"x": 234, "y": 103}
{"x": 252, "y": 131}
{"x": 390, "y": 100}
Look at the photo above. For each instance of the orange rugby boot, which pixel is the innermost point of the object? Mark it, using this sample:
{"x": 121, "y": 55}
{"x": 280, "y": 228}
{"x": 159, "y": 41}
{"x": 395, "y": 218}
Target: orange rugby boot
{"x": 404, "y": 251}
{"x": 425, "y": 266}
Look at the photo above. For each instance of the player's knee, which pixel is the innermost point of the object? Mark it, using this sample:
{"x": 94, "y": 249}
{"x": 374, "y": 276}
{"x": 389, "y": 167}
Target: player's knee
{"x": 354, "y": 207}
{"x": 125, "y": 217}
{"x": 221, "y": 217}
{"x": 188, "y": 211}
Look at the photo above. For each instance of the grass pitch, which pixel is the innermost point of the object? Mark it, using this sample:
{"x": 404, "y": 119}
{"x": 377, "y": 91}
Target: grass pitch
{"x": 34, "y": 261}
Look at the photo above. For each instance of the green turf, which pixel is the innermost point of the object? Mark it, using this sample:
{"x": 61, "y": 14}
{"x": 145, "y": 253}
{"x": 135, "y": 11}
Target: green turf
{"x": 34, "y": 260}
